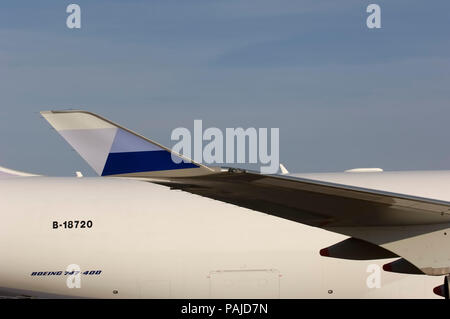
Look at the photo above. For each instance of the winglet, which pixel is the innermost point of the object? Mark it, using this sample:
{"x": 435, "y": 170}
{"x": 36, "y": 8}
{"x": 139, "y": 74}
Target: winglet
{"x": 112, "y": 150}
{"x": 283, "y": 169}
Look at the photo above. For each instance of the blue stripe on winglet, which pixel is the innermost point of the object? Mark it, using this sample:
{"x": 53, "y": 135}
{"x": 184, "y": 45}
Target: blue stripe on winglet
{"x": 135, "y": 162}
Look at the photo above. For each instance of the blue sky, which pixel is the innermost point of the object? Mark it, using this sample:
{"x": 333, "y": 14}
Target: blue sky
{"x": 342, "y": 95}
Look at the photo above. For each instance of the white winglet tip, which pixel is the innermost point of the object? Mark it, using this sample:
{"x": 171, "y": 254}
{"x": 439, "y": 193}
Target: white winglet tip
{"x": 283, "y": 169}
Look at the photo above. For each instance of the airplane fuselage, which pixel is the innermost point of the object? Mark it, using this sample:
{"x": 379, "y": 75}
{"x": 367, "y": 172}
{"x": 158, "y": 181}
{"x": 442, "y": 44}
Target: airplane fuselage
{"x": 134, "y": 239}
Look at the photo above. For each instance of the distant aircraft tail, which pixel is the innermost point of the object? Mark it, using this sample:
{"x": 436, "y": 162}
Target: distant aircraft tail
{"x": 112, "y": 150}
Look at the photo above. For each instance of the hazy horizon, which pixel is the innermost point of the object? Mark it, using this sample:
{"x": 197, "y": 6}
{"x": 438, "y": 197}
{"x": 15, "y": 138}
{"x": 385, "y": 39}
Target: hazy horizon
{"x": 343, "y": 95}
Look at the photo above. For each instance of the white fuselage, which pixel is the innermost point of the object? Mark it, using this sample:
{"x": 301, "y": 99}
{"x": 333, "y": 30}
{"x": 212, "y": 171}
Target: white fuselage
{"x": 147, "y": 241}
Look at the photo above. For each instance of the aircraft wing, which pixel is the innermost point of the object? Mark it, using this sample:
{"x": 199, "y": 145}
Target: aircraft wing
{"x": 9, "y": 173}
{"x": 313, "y": 202}
{"x": 411, "y": 227}
{"x": 380, "y": 224}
